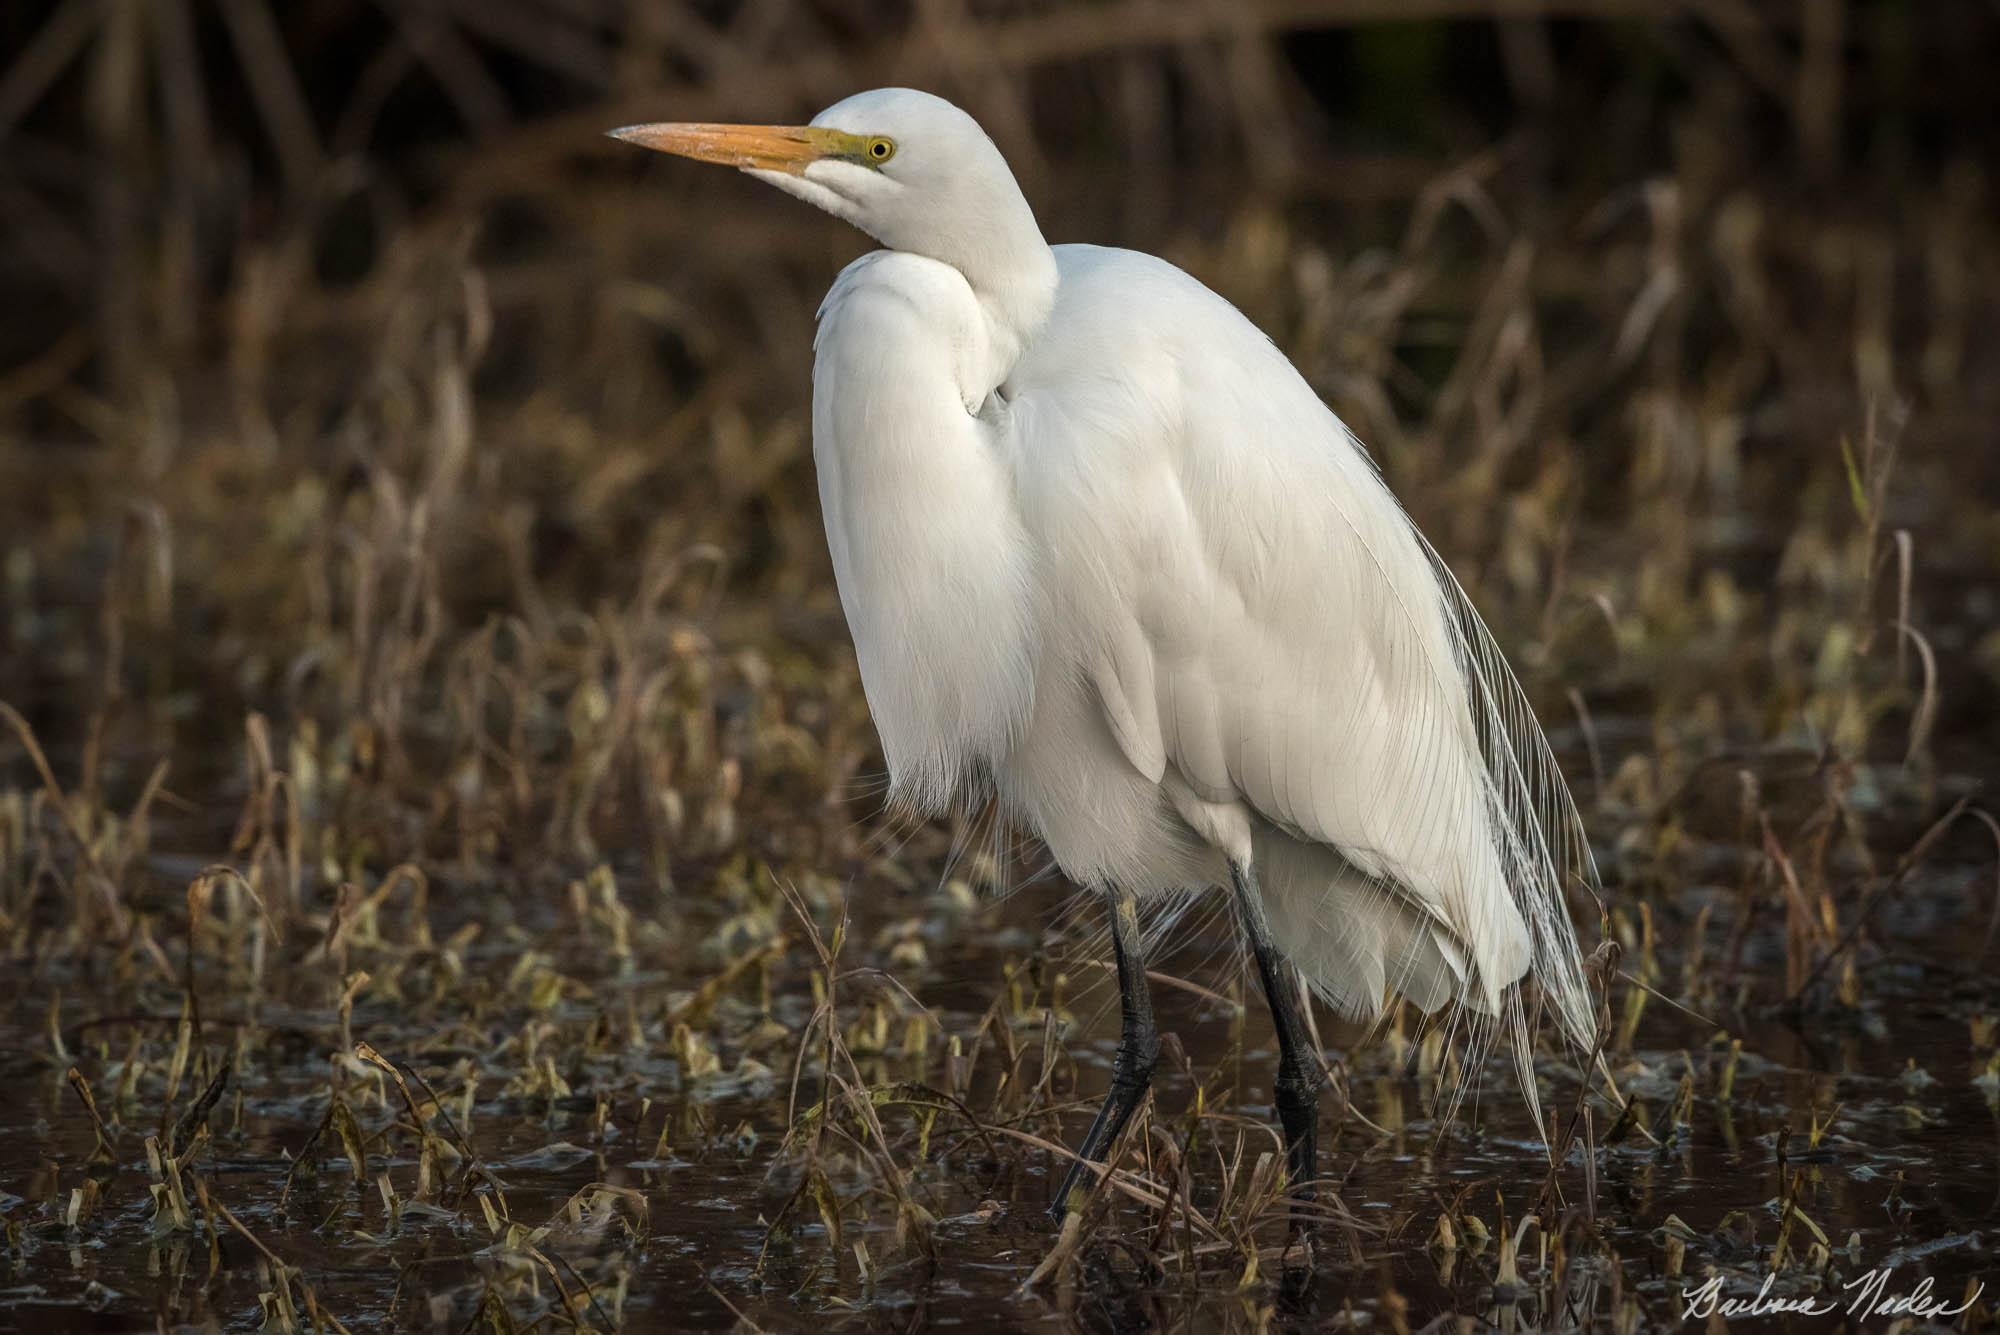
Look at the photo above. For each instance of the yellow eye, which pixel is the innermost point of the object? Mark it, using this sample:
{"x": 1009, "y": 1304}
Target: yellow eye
{"x": 881, "y": 150}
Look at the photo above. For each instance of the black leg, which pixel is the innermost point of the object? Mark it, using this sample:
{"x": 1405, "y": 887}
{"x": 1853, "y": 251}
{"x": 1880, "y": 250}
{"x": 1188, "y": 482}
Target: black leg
{"x": 1299, "y": 1072}
{"x": 1138, "y": 1047}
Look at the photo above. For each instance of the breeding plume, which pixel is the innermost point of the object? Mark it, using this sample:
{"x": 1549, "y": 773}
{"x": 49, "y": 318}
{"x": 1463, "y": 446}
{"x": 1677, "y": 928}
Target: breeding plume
{"x": 1105, "y": 554}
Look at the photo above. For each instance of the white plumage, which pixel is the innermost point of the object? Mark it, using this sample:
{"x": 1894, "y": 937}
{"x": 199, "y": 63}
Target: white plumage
{"x": 1103, "y": 549}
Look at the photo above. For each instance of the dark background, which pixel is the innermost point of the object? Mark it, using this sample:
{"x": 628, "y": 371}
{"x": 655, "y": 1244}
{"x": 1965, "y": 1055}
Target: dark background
{"x": 234, "y": 122}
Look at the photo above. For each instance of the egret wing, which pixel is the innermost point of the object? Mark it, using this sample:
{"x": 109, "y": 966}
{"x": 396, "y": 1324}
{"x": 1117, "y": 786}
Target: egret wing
{"x": 1266, "y": 627}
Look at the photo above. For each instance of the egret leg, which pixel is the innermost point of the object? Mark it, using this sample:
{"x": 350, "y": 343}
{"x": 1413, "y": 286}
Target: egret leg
{"x": 1138, "y": 1047}
{"x": 1299, "y": 1072}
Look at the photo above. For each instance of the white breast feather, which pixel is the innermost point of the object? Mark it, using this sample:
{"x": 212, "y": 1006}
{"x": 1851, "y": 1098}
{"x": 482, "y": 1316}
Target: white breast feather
{"x": 935, "y": 573}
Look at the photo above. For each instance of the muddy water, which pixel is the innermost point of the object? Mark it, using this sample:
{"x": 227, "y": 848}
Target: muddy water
{"x": 1906, "y": 1177}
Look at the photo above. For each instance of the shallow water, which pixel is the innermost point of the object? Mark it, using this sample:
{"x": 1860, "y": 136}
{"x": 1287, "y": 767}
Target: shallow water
{"x": 1906, "y": 1174}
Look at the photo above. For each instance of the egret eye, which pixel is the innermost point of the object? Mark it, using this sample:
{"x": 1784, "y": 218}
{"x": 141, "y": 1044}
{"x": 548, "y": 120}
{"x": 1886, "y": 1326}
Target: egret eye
{"x": 881, "y": 150}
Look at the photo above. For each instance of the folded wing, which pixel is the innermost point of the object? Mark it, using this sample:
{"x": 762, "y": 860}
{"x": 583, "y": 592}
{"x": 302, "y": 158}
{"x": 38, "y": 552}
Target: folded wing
{"x": 1267, "y": 627}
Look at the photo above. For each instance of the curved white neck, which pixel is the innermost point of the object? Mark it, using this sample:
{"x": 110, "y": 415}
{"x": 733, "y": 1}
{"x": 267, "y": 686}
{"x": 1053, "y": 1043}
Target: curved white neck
{"x": 980, "y": 224}
{"x": 988, "y": 233}
{"x": 1016, "y": 300}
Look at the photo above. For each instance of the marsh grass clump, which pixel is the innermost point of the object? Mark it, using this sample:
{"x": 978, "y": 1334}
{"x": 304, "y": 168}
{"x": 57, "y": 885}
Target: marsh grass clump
{"x": 443, "y": 878}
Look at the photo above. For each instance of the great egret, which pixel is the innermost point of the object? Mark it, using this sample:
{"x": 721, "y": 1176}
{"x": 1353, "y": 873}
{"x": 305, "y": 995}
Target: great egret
{"x": 1105, "y": 554}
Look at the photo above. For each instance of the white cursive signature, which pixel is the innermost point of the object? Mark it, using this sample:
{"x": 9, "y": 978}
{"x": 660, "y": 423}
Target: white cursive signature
{"x": 1868, "y": 1295}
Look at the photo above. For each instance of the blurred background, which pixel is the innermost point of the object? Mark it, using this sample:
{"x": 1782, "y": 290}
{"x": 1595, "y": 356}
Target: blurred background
{"x": 395, "y": 473}
{"x": 1614, "y": 271}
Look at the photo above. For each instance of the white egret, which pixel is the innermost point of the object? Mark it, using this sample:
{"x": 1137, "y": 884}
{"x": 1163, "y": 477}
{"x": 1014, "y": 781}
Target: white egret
{"x": 1105, "y": 554}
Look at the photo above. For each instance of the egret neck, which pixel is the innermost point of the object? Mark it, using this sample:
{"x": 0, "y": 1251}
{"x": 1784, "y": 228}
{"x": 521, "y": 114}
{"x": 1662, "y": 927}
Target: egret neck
{"x": 980, "y": 224}
{"x": 1012, "y": 271}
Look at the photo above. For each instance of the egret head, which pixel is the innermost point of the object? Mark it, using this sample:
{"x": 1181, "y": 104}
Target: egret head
{"x": 908, "y": 168}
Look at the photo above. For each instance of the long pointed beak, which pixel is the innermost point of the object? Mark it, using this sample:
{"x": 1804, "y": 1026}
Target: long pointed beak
{"x": 784, "y": 148}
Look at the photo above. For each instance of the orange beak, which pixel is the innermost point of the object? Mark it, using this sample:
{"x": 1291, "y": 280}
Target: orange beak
{"x": 784, "y": 148}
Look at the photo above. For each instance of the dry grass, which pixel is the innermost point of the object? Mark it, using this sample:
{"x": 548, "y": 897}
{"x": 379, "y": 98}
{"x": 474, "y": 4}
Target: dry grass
{"x": 439, "y": 840}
